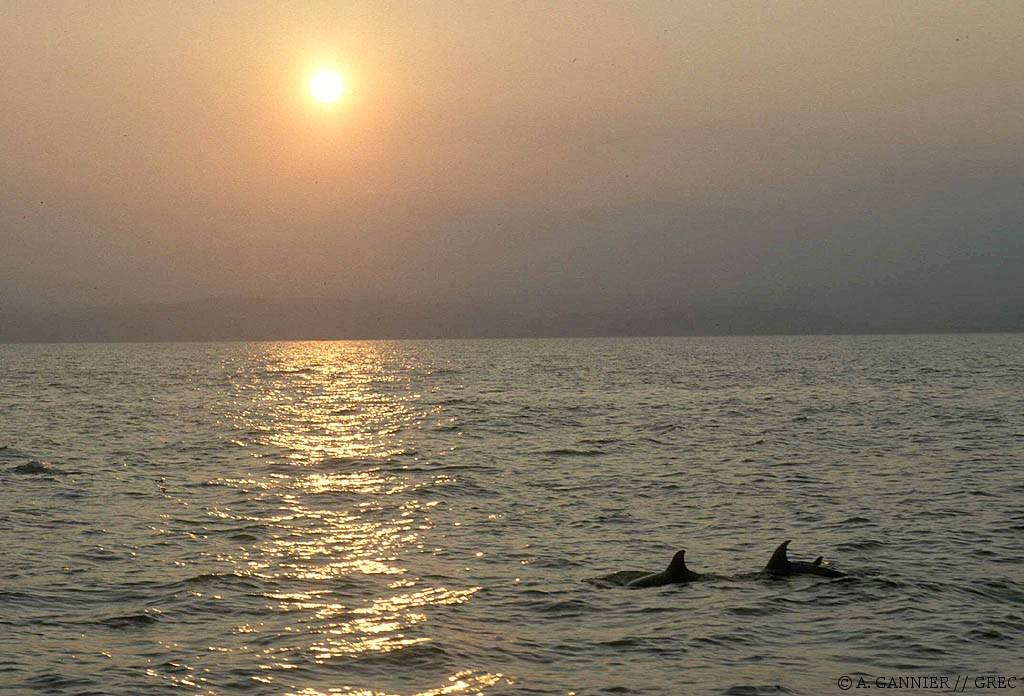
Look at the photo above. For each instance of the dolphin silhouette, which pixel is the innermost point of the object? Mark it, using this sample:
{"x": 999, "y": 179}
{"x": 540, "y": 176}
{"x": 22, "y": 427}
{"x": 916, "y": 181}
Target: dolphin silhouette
{"x": 779, "y": 565}
{"x": 676, "y": 573}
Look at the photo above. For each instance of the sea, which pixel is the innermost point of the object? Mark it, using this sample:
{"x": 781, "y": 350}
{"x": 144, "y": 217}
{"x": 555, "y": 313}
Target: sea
{"x": 420, "y": 517}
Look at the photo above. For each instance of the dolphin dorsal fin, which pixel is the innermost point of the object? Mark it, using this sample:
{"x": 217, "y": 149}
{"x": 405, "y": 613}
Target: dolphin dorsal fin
{"x": 779, "y": 559}
{"x": 818, "y": 560}
{"x": 678, "y": 563}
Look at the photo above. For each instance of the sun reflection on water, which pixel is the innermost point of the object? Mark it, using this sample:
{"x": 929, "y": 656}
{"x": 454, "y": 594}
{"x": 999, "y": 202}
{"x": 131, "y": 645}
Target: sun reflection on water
{"x": 329, "y": 401}
{"x": 338, "y": 517}
{"x": 465, "y": 682}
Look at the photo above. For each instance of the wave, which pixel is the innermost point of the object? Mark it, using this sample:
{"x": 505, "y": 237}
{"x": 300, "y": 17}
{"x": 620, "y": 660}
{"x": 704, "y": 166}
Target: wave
{"x": 36, "y": 467}
{"x": 128, "y": 621}
{"x": 569, "y": 452}
{"x": 753, "y": 690}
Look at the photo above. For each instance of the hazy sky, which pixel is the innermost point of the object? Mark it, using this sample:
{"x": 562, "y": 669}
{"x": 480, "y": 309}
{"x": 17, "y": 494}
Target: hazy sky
{"x": 792, "y": 151}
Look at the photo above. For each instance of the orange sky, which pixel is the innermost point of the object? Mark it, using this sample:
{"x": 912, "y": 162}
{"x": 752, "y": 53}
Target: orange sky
{"x": 164, "y": 150}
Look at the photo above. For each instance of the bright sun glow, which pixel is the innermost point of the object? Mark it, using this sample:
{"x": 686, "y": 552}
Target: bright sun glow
{"x": 326, "y": 86}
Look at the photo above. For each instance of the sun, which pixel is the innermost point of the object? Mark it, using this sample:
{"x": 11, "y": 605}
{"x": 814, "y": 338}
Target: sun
{"x": 326, "y": 86}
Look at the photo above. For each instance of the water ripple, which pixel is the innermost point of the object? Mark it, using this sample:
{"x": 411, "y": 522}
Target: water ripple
{"x": 415, "y": 518}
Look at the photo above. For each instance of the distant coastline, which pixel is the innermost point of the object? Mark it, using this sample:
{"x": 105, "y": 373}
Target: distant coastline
{"x": 254, "y": 319}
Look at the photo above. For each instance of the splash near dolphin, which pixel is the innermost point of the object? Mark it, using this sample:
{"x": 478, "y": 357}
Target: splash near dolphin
{"x": 780, "y": 566}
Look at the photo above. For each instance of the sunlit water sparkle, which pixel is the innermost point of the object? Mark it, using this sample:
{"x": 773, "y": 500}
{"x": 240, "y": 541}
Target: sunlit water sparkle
{"x": 417, "y": 517}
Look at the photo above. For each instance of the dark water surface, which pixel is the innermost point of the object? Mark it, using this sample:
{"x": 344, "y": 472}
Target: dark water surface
{"x": 418, "y": 517}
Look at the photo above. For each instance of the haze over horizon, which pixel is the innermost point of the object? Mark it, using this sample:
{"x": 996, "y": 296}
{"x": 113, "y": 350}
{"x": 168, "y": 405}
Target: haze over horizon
{"x": 857, "y": 162}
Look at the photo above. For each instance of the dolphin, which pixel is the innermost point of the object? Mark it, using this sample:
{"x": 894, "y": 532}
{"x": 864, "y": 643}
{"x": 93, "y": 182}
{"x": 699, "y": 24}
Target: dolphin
{"x": 780, "y": 566}
{"x": 676, "y": 573}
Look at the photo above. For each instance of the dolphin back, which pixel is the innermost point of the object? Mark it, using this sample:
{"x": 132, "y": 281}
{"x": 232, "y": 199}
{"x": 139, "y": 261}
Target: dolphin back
{"x": 652, "y": 580}
{"x": 824, "y": 571}
{"x": 780, "y": 565}
{"x": 676, "y": 573}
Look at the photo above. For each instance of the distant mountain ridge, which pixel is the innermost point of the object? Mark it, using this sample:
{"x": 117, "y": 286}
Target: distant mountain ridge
{"x": 327, "y": 318}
